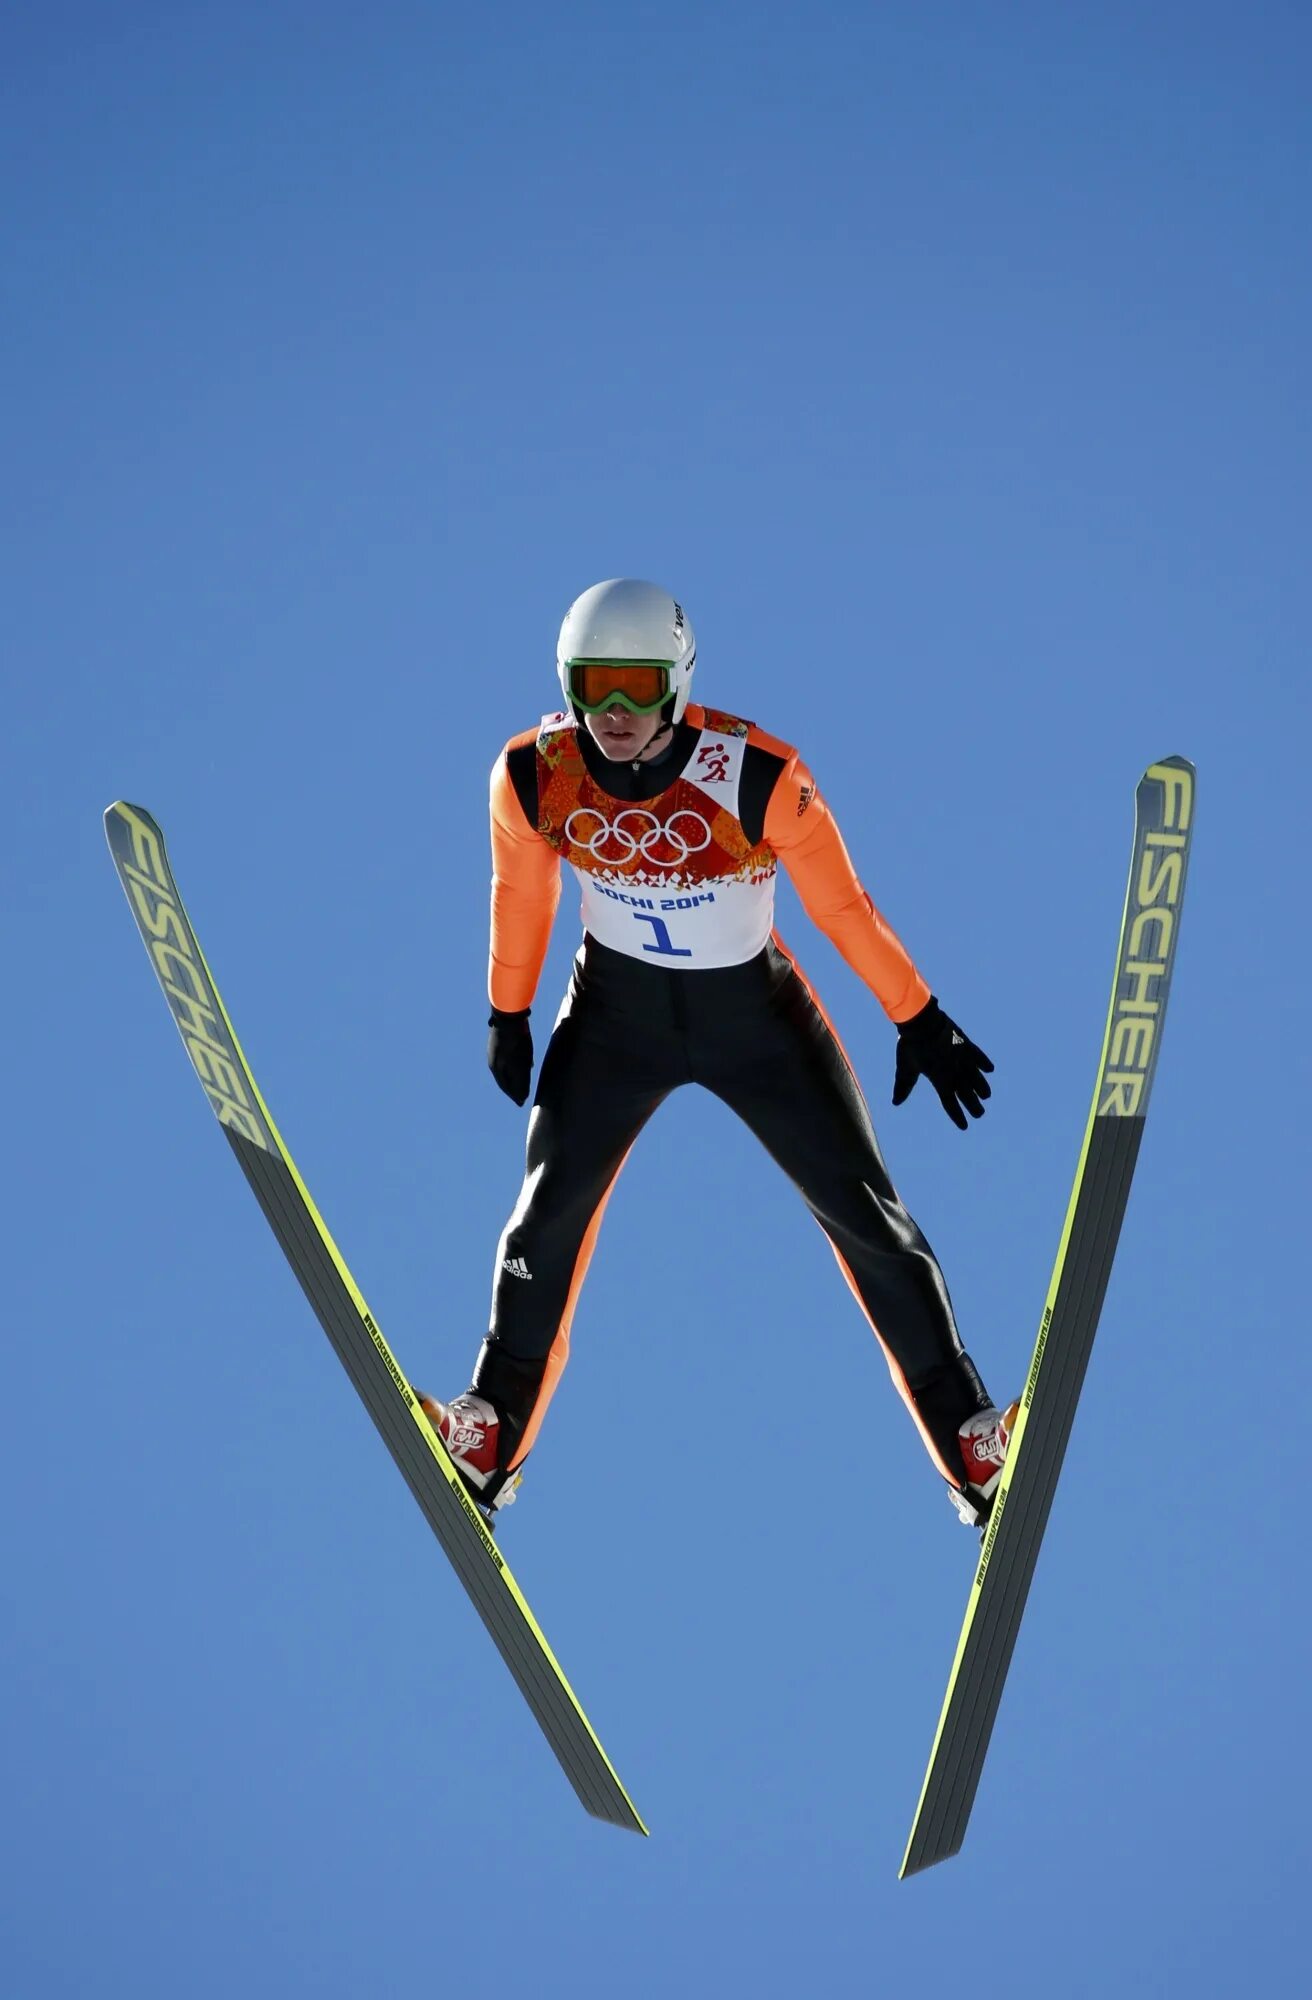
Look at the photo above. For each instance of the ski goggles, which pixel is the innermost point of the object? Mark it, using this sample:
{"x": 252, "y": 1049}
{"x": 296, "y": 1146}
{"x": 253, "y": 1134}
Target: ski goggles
{"x": 641, "y": 686}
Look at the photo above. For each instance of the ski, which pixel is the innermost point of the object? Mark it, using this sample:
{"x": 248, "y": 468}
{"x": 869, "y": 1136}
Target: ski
{"x": 139, "y": 853}
{"x": 1150, "y": 929}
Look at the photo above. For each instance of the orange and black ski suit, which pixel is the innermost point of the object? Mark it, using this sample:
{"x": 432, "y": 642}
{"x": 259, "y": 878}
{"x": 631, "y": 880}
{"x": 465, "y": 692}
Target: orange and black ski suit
{"x": 682, "y": 979}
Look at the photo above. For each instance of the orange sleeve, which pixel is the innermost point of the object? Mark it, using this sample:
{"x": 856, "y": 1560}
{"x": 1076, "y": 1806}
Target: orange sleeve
{"x": 801, "y": 829}
{"x": 525, "y": 893}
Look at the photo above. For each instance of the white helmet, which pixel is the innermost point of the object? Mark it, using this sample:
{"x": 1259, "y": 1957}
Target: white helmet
{"x": 628, "y": 620}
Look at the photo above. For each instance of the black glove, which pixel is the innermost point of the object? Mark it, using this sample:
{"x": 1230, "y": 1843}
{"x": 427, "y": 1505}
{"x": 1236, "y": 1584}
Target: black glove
{"x": 931, "y": 1045}
{"x": 510, "y": 1052}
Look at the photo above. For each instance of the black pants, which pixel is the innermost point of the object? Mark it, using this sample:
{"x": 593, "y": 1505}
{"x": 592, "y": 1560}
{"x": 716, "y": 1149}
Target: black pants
{"x": 628, "y": 1035}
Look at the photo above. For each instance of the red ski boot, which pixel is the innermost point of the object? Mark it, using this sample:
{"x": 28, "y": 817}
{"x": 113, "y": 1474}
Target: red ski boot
{"x": 984, "y": 1440}
{"x": 470, "y": 1430}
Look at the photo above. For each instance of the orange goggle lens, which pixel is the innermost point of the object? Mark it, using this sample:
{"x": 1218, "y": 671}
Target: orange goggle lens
{"x": 639, "y": 685}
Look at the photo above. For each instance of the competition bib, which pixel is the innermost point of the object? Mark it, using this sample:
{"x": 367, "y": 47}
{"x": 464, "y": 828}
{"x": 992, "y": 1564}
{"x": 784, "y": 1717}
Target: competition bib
{"x": 674, "y": 880}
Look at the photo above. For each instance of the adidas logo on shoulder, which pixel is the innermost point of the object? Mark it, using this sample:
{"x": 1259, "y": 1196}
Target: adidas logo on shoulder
{"x": 516, "y": 1267}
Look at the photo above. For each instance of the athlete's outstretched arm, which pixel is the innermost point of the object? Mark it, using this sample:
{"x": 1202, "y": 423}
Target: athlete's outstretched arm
{"x": 525, "y": 896}
{"x": 803, "y": 833}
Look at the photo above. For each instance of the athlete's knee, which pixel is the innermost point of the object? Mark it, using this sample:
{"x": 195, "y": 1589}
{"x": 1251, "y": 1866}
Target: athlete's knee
{"x": 554, "y": 1202}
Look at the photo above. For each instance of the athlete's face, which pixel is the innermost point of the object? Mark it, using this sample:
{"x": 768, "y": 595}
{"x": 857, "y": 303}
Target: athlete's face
{"x": 622, "y": 735}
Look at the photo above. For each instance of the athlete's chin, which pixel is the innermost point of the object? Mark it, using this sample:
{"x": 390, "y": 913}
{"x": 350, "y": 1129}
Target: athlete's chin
{"x": 617, "y": 746}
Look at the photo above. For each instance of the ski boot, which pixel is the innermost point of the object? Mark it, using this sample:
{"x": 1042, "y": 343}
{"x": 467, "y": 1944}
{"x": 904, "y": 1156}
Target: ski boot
{"x": 984, "y": 1439}
{"x": 470, "y": 1429}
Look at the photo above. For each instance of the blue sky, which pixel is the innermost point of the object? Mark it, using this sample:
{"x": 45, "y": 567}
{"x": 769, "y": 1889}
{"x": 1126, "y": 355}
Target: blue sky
{"x": 951, "y": 364}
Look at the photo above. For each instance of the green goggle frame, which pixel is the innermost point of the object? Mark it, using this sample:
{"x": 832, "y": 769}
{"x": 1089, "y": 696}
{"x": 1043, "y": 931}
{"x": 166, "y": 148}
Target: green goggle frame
{"x": 641, "y": 686}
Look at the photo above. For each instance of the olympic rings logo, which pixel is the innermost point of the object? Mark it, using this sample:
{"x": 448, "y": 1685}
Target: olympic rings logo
{"x": 651, "y": 835}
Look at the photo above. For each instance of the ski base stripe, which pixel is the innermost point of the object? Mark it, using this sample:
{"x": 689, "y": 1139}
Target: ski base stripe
{"x": 1164, "y": 811}
{"x": 446, "y": 1506}
{"x": 139, "y": 853}
{"x": 1020, "y": 1515}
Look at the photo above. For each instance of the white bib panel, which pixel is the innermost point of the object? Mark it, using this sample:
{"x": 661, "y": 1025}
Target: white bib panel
{"x": 678, "y": 902}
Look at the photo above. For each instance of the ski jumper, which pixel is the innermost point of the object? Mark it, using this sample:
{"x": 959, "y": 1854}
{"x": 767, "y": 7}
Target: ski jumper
{"x": 681, "y": 978}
